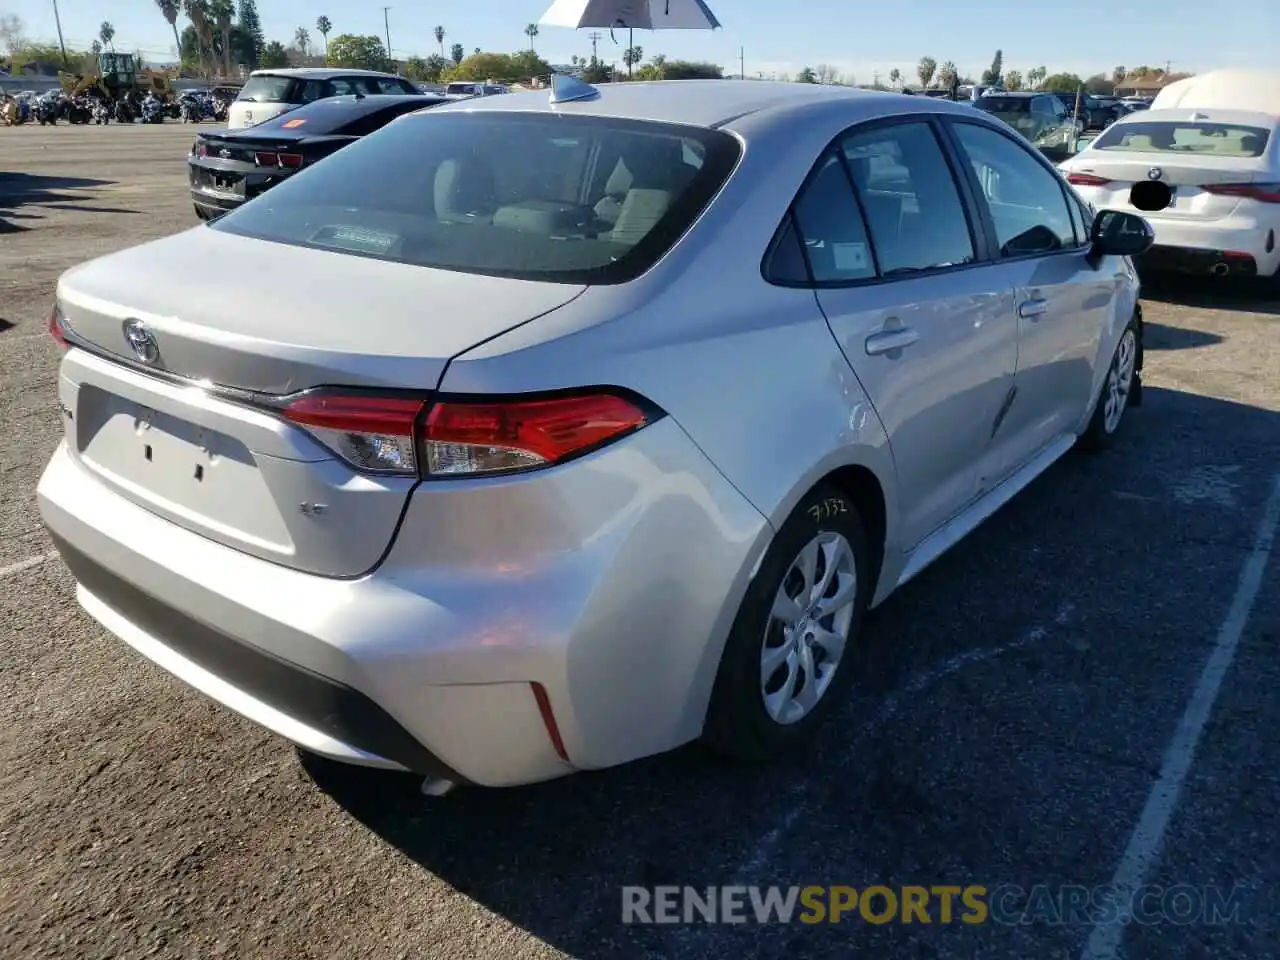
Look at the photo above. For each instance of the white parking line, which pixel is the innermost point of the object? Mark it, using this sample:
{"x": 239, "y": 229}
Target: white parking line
{"x": 27, "y": 564}
{"x": 1144, "y": 845}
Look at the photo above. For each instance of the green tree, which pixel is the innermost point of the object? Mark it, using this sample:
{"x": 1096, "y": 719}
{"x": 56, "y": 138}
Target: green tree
{"x": 1035, "y": 77}
{"x": 631, "y": 58}
{"x": 323, "y": 26}
{"x": 1013, "y": 80}
{"x": 597, "y": 72}
{"x": 691, "y": 70}
{"x": 895, "y": 77}
{"x": 254, "y": 43}
{"x": 170, "y": 9}
{"x": 107, "y": 34}
{"x": 1100, "y": 85}
{"x": 948, "y": 75}
{"x": 439, "y": 32}
{"x": 456, "y": 53}
{"x": 365, "y": 53}
{"x": 1062, "y": 83}
{"x": 198, "y": 13}
{"x": 274, "y": 55}
{"x": 925, "y": 70}
{"x": 806, "y": 76}
{"x": 996, "y": 70}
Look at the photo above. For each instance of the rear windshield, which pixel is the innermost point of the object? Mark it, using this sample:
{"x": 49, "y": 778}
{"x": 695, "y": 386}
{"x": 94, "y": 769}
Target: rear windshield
{"x": 1174, "y": 136}
{"x": 535, "y": 196}
{"x": 267, "y": 89}
{"x": 1003, "y": 104}
{"x": 465, "y": 88}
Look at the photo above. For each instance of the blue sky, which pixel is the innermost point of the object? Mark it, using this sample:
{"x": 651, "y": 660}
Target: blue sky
{"x": 859, "y": 39}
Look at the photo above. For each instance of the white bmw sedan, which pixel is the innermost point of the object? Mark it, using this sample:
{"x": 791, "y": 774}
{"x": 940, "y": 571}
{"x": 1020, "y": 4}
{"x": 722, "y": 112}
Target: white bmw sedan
{"x": 538, "y": 434}
{"x": 1223, "y": 169}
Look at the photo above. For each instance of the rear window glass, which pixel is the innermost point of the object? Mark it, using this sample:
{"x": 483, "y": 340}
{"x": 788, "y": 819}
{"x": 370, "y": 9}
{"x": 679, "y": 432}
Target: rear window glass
{"x": 267, "y": 89}
{"x": 1172, "y": 136}
{"x": 464, "y": 89}
{"x": 540, "y": 197}
{"x": 1003, "y": 104}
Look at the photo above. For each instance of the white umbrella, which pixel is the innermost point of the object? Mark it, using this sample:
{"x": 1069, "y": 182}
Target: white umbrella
{"x": 630, "y": 15}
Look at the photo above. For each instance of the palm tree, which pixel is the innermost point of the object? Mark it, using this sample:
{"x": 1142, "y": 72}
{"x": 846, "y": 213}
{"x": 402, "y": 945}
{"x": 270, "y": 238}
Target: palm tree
{"x": 947, "y": 75}
{"x": 324, "y": 25}
{"x": 895, "y": 77}
{"x": 222, "y": 12}
{"x": 926, "y": 69}
{"x": 197, "y": 12}
{"x": 302, "y": 40}
{"x": 439, "y": 31}
{"x": 107, "y": 33}
{"x": 171, "y": 9}
{"x": 531, "y": 31}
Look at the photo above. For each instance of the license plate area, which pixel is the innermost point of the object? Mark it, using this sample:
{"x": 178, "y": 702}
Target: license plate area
{"x": 198, "y": 477}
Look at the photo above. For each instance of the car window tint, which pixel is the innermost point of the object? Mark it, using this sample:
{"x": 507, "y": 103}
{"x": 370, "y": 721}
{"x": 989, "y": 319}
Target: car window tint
{"x": 1027, "y": 202}
{"x": 831, "y": 227}
{"x": 342, "y": 87}
{"x": 786, "y": 263}
{"x": 310, "y": 91}
{"x": 910, "y": 198}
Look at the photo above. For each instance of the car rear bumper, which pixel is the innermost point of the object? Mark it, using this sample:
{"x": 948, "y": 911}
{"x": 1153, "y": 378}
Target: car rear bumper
{"x": 1233, "y": 246}
{"x": 606, "y": 602}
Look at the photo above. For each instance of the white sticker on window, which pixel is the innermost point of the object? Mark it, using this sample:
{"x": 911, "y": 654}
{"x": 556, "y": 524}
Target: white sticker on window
{"x": 850, "y": 256}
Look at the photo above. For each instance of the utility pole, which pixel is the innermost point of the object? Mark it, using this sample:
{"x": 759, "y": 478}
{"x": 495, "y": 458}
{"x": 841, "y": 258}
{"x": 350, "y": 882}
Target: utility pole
{"x": 595, "y": 39}
{"x": 742, "y": 63}
{"x": 61, "y": 43}
{"x": 386, "y": 22}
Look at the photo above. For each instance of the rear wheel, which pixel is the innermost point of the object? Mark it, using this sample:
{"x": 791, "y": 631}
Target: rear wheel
{"x": 789, "y": 657}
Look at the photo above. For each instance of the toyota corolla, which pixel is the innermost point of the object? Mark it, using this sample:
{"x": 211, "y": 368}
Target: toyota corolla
{"x": 534, "y": 434}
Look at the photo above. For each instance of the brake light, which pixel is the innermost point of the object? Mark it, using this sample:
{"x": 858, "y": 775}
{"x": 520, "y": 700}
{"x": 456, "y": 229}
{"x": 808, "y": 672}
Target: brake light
{"x": 1265, "y": 192}
{"x": 468, "y": 438}
{"x": 372, "y": 433}
{"x": 1087, "y": 180}
{"x": 57, "y": 327}
{"x": 460, "y": 438}
{"x": 266, "y": 160}
{"x": 291, "y": 160}
{"x": 199, "y": 149}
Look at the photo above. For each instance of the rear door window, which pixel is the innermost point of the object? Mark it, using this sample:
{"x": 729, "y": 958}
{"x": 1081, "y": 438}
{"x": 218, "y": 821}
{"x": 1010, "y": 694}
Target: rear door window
{"x": 912, "y": 204}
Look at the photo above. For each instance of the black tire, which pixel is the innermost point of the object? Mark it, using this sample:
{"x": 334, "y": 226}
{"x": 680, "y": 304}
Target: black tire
{"x": 1101, "y": 434}
{"x": 738, "y": 725}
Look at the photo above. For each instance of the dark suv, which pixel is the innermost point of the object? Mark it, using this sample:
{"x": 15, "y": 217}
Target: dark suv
{"x": 1042, "y": 118}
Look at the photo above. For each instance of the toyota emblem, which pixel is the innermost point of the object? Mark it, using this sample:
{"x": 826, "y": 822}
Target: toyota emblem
{"x": 1155, "y": 173}
{"x": 141, "y": 341}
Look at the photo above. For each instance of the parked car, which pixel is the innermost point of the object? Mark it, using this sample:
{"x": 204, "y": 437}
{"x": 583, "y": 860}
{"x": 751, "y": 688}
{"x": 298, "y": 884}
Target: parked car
{"x": 269, "y": 93}
{"x": 1040, "y": 117}
{"x": 231, "y": 166}
{"x": 452, "y": 470}
{"x": 1223, "y": 166}
{"x": 460, "y": 89}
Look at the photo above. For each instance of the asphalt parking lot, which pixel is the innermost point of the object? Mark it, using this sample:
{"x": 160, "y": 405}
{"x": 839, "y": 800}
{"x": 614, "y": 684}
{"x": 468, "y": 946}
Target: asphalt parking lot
{"x": 1082, "y": 693}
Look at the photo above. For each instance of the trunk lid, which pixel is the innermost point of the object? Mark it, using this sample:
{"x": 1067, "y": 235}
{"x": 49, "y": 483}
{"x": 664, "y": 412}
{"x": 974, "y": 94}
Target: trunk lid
{"x": 277, "y": 320}
{"x": 1187, "y": 175}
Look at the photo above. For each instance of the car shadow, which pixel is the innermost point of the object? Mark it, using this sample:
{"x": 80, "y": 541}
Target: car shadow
{"x": 1158, "y": 336}
{"x": 6, "y": 324}
{"x": 1210, "y": 293}
{"x": 551, "y": 858}
{"x": 18, "y": 190}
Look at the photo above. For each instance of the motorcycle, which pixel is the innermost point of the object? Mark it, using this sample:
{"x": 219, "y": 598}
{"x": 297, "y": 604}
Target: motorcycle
{"x": 101, "y": 113}
{"x": 46, "y": 112}
{"x": 192, "y": 111}
{"x": 220, "y": 108}
{"x": 79, "y": 111}
{"x": 122, "y": 111}
{"x": 152, "y": 111}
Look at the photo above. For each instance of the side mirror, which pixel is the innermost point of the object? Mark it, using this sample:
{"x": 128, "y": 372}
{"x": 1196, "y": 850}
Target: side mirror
{"x": 1119, "y": 234}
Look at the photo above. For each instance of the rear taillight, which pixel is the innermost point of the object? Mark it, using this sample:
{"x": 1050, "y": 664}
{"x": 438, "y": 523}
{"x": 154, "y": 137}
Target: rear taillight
{"x": 461, "y": 438}
{"x": 199, "y": 149}
{"x": 1265, "y": 192}
{"x": 374, "y": 434}
{"x": 468, "y": 438}
{"x": 1087, "y": 180}
{"x": 291, "y": 161}
{"x": 266, "y": 159}
{"x": 57, "y": 327}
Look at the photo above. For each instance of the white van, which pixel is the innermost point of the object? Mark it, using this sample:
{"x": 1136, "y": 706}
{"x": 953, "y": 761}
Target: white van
{"x": 269, "y": 93}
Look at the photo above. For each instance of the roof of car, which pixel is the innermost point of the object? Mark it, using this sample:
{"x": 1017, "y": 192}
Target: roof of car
{"x": 319, "y": 73}
{"x": 703, "y": 103}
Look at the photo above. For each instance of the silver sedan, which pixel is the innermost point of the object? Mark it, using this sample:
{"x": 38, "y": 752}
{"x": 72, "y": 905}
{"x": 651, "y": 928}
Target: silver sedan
{"x": 540, "y": 433}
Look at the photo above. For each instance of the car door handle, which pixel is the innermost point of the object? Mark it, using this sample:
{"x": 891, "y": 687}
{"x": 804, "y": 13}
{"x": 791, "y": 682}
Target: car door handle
{"x": 1029, "y": 309}
{"x": 886, "y": 341}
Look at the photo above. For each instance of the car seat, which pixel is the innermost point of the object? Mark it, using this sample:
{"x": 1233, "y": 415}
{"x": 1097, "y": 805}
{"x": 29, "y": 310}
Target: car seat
{"x": 464, "y": 190}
